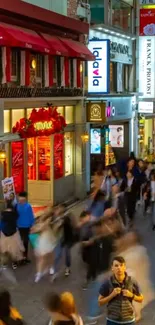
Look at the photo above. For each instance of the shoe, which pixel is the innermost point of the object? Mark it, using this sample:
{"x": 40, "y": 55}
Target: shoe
{"x": 38, "y": 277}
{"x": 67, "y": 272}
{"x": 51, "y": 271}
{"x": 14, "y": 266}
{"x": 27, "y": 261}
{"x": 153, "y": 228}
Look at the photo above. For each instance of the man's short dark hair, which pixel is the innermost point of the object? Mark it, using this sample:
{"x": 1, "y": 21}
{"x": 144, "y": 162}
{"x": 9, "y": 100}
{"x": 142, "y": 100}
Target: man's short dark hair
{"x": 119, "y": 259}
{"x": 23, "y": 194}
{"x": 84, "y": 214}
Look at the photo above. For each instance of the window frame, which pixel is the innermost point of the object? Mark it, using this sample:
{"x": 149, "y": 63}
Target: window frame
{"x": 14, "y": 77}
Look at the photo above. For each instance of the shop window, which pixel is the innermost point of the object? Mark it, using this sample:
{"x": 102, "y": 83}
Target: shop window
{"x": 60, "y": 110}
{"x": 126, "y": 77}
{"x": 6, "y": 121}
{"x": 121, "y": 14}
{"x": 69, "y": 114}
{"x": 18, "y": 165}
{"x": 17, "y": 114}
{"x": 97, "y": 11}
{"x": 31, "y": 150}
{"x": 69, "y": 147}
{"x": 58, "y": 156}
{"x": 14, "y": 65}
{"x": 44, "y": 158}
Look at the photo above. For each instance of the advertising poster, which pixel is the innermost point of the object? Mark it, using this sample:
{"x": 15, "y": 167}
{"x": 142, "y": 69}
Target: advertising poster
{"x": 18, "y": 165}
{"x": 58, "y": 156}
{"x": 95, "y": 142}
{"x": 8, "y": 188}
{"x": 147, "y": 22}
{"x": 116, "y": 136}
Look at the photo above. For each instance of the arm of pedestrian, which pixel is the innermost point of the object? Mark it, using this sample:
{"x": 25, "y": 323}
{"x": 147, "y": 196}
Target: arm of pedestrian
{"x": 138, "y": 298}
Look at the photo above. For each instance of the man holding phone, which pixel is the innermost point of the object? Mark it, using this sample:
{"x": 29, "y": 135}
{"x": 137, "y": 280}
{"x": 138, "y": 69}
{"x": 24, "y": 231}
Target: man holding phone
{"x": 118, "y": 292}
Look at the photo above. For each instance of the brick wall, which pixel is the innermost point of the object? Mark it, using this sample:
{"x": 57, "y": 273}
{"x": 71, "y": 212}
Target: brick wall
{"x": 72, "y": 8}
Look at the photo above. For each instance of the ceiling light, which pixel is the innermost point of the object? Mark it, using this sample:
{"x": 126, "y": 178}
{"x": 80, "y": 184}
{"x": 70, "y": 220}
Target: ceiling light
{"x": 100, "y": 28}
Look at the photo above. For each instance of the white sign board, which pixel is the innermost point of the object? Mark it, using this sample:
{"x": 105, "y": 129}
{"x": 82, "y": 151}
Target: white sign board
{"x": 99, "y": 70}
{"x": 121, "y": 48}
{"x": 147, "y": 66}
{"x": 116, "y": 136}
{"x": 8, "y": 189}
{"x": 145, "y": 107}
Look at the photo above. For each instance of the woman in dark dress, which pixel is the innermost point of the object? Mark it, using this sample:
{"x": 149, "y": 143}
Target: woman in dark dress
{"x": 130, "y": 189}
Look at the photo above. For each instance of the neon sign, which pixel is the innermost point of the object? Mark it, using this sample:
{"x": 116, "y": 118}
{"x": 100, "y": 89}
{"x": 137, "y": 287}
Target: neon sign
{"x": 43, "y": 125}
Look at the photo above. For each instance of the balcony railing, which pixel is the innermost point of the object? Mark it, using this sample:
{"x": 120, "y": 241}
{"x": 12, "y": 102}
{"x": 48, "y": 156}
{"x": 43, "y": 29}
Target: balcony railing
{"x": 26, "y": 92}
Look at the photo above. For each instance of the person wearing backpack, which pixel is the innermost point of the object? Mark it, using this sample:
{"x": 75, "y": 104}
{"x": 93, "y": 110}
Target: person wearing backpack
{"x": 119, "y": 292}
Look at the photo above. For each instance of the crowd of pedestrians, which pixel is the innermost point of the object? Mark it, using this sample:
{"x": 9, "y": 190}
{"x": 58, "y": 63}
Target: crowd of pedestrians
{"x": 111, "y": 249}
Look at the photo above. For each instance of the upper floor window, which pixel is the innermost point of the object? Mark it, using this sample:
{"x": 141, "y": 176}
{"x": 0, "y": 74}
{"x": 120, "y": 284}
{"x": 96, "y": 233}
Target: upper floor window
{"x": 38, "y": 67}
{"x": 14, "y": 65}
{"x": 122, "y": 15}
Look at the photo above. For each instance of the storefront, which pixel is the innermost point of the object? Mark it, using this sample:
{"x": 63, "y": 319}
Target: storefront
{"x": 146, "y": 130}
{"x": 43, "y": 159}
{"x": 110, "y": 123}
{"x": 119, "y": 62}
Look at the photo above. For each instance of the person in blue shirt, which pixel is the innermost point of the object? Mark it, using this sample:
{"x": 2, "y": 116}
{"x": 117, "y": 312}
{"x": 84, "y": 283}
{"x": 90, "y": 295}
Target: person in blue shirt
{"x": 25, "y": 221}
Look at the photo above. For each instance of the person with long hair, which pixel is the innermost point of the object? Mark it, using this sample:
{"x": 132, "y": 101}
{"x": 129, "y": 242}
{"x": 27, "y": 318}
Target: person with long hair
{"x": 8, "y": 314}
{"x": 46, "y": 243}
{"x": 62, "y": 309}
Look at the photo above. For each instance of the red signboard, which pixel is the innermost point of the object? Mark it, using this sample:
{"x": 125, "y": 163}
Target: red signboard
{"x": 18, "y": 165}
{"x": 58, "y": 156}
{"x": 42, "y": 122}
{"x": 147, "y": 22}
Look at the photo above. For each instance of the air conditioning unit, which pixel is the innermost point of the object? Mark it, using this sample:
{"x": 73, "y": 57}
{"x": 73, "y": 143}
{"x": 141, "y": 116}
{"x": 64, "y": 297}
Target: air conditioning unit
{"x": 83, "y": 11}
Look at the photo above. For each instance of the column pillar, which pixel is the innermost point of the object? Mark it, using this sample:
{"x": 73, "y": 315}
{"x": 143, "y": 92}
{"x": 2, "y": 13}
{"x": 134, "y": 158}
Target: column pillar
{"x": 80, "y": 151}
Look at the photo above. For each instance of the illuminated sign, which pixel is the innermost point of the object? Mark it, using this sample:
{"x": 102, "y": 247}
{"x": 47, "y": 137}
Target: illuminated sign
{"x": 145, "y": 107}
{"x": 147, "y": 22}
{"x": 99, "y": 70}
{"x": 43, "y": 125}
{"x": 147, "y": 66}
{"x": 110, "y": 111}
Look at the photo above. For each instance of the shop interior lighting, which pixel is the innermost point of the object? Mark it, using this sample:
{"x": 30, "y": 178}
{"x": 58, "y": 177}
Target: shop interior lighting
{"x": 115, "y": 33}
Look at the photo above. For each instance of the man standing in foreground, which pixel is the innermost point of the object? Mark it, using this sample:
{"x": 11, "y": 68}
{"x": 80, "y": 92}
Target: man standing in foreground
{"x": 118, "y": 292}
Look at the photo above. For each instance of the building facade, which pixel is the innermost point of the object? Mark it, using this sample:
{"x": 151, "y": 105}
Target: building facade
{"x": 111, "y": 83}
{"x": 42, "y": 76}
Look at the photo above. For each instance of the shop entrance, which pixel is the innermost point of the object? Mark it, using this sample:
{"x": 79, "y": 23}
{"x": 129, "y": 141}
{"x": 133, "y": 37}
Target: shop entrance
{"x": 101, "y": 152}
{"x": 39, "y": 170}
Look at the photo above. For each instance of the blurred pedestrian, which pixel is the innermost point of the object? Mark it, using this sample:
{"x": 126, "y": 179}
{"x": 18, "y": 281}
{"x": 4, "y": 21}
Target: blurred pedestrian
{"x": 129, "y": 187}
{"x": 8, "y": 314}
{"x": 62, "y": 309}
{"x": 10, "y": 241}
{"x": 135, "y": 254}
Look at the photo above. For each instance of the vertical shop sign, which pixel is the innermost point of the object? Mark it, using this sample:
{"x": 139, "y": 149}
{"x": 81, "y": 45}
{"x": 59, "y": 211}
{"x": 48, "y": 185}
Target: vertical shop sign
{"x": 18, "y": 165}
{"x": 147, "y": 66}
{"x": 58, "y": 156}
{"x": 99, "y": 70}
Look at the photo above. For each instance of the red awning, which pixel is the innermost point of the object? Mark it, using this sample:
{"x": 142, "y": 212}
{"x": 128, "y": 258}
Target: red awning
{"x": 78, "y": 50}
{"x": 56, "y": 46}
{"x": 18, "y": 37}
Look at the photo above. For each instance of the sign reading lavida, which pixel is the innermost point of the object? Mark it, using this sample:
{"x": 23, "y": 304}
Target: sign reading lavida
{"x": 99, "y": 70}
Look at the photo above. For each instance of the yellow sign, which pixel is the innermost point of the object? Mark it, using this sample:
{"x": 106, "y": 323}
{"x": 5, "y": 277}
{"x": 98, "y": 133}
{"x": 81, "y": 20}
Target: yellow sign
{"x": 43, "y": 126}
